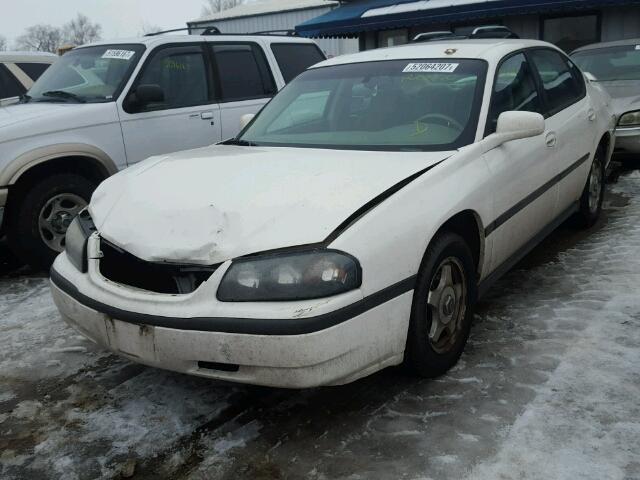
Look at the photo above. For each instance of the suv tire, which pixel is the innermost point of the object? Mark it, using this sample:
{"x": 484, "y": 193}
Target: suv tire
{"x": 42, "y": 214}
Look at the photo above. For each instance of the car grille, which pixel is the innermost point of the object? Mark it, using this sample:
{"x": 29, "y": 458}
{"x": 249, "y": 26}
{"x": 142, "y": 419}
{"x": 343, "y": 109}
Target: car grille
{"x": 169, "y": 278}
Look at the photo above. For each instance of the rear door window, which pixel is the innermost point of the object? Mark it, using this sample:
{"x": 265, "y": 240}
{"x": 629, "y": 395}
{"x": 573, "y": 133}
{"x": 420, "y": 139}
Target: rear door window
{"x": 243, "y": 72}
{"x": 9, "y": 85}
{"x": 295, "y": 58}
{"x": 560, "y": 80}
{"x": 33, "y": 70}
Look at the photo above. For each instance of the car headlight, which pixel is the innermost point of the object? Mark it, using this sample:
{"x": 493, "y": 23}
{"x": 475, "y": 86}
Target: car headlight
{"x": 630, "y": 119}
{"x": 290, "y": 276}
{"x": 76, "y": 240}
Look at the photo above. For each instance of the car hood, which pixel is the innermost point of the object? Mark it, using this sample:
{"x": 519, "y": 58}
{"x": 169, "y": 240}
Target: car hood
{"x": 625, "y": 95}
{"x": 28, "y": 119}
{"x": 213, "y": 204}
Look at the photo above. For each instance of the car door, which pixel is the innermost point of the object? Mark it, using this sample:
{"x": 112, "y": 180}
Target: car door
{"x": 245, "y": 82}
{"x": 522, "y": 169}
{"x": 186, "y": 117}
{"x": 570, "y": 120}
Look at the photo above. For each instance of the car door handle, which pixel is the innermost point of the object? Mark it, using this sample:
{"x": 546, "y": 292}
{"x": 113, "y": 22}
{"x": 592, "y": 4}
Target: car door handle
{"x": 592, "y": 115}
{"x": 551, "y": 140}
{"x": 206, "y": 115}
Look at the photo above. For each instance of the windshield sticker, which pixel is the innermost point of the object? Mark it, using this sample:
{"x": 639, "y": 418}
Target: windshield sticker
{"x": 119, "y": 54}
{"x": 430, "y": 68}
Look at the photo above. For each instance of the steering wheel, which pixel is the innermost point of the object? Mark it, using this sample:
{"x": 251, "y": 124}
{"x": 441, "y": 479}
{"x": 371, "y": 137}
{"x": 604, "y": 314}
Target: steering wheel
{"x": 441, "y": 119}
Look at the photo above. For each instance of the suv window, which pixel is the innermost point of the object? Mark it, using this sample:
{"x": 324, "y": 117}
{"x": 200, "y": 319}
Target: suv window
{"x": 562, "y": 86}
{"x": 181, "y": 72}
{"x": 9, "y": 86}
{"x": 295, "y": 58}
{"x": 33, "y": 70}
{"x": 243, "y": 72}
{"x": 514, "y": 89}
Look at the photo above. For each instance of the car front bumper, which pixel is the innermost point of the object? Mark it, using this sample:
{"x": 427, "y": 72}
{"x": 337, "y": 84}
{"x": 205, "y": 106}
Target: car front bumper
{"x": 628, "y": 140}
{"x": 272, "y": 354}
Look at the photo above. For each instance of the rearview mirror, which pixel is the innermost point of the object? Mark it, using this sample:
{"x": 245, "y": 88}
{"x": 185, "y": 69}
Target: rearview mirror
{"x": 151, "y": 93}
{"x": 518, "y": 125}
{"x": 245, "y": 120}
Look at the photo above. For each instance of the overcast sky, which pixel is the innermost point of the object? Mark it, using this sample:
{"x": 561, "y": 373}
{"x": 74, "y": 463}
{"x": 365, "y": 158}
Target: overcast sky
{"x": 119, "y": 18}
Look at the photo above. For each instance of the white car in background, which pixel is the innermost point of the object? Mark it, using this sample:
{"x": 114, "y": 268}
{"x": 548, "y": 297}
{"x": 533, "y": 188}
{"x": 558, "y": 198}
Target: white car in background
{"x": 18, "y": 72}
{"x": 108, "y": 105}
{"x": 350, "y": 226}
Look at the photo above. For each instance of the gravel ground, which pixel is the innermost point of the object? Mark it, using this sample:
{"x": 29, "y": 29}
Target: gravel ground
{"x": 548, "y": 388}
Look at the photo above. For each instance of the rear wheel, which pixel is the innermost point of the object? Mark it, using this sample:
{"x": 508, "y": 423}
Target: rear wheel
{"x": 39, "y": 220}
{"x": 442, "y": 307}
{"x": 593, "y": 194}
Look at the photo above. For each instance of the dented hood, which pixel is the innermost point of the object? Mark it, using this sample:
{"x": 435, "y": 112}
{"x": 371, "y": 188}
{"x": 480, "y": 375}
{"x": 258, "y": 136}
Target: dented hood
{"x": 213, "y": 204}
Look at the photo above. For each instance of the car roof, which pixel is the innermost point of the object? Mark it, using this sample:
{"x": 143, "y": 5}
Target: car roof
{"x": 161, "y": 39}
{"x": 491, "y": 50}
{"x": 26, "y": 57}
{"x": 617, "y": 43}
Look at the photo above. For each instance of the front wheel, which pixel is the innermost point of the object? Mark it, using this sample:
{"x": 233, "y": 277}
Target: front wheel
{"x": 593, "y": 193}
{"x": 442, "y": 308}
{"x": 40, "y": 217}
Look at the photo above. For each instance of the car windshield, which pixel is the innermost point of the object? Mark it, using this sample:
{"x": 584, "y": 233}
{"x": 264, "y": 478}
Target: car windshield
{"x": 390, "y": 105}
{"x": 89, "y": 74}
{"x": 612, "y": 63}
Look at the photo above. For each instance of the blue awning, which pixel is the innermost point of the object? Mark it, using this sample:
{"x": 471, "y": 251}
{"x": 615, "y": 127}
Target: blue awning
{"x": 365, "y": 15}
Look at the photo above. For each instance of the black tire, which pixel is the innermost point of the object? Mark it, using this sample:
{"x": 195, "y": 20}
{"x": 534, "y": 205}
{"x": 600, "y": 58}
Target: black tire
{"x": 423, "y": 356}
{"x": 590, "y": 208}
{"x": 23, "y": 231}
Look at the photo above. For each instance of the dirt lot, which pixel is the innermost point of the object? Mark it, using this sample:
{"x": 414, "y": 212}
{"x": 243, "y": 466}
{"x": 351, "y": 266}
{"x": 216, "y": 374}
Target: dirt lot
{"x": 548, "y": 388}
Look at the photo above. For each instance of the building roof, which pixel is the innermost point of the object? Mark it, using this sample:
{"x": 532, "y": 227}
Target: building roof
{"x": 367, "y": 15}
{"x": 263, "y": 7}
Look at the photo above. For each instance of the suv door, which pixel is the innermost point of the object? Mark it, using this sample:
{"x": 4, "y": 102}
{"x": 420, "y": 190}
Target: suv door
{"x": 522, "y": 169}
{"x": 186, "y": 116}
{"x": 244, "y": 80}
{"x": 569, "y": 118}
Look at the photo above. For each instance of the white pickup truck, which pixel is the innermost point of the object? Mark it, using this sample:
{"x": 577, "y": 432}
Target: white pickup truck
{"x": 108, "y": 105}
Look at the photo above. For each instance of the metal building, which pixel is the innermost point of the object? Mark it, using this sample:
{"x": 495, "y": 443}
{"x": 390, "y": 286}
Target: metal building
{"x": 567, "y": 23}
{"x": 269, "y": 15}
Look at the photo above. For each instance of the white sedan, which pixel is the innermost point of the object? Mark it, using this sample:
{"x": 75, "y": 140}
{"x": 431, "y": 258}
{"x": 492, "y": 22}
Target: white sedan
{"x": 351, "y": 226}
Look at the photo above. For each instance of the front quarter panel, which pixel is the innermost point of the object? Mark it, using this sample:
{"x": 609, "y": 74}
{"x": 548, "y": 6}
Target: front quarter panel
{"x": 390, "y": 240}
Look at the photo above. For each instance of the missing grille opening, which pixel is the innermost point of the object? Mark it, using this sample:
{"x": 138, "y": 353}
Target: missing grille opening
{"x": 124, "y": 268}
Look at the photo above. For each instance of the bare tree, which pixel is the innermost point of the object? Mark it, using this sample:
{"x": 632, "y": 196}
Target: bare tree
{"x": 214, "y": 6}
{"x": 80, "y": 30}
{"x": 3, "y": 44}
{"x": 42, "y": 38}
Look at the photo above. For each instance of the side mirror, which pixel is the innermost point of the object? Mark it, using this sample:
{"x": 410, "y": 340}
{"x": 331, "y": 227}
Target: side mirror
{"x": 245, "y": 120}
{"x": 518, "y": 125}
{"x": 146, "y": 94}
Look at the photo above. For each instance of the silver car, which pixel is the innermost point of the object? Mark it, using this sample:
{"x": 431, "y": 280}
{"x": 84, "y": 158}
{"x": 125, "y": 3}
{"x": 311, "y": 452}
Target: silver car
{"x": 616, "y": 67}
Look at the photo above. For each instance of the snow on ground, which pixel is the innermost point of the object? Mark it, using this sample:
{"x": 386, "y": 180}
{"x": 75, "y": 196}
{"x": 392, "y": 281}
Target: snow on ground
{"x": 548, "y": 387}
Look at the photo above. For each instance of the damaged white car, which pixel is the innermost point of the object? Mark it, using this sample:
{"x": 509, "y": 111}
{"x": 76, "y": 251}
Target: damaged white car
{"x": 351, "y": 225}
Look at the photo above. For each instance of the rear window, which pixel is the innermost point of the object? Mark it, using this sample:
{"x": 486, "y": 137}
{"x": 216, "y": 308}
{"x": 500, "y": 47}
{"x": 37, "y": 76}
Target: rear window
{"x": 9, "y": 86}
{"x": 295, "y": 58}
{"x": 33, "y": 70}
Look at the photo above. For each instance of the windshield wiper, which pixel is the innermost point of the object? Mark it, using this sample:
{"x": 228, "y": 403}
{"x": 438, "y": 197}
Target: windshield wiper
{"x": 24, "y": 98}
{"x": 241, "y": 143}
{"x": 65, "y": 95}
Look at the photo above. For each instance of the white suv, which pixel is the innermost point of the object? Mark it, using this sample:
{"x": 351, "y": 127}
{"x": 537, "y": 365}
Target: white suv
{"x": 105, "y": 106}
{"x": 18, "y": 71}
